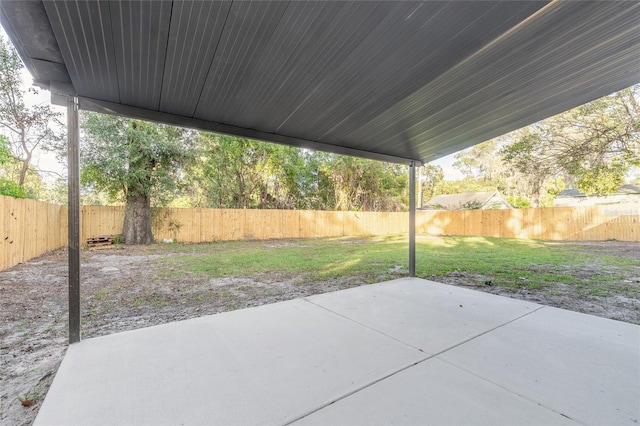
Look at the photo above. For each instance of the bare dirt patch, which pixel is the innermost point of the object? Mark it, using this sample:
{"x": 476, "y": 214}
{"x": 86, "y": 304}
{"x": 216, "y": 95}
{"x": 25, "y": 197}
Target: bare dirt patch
{"x": 617, "y": 299}
{"x": 618, "y": 307}
{"x": 124, "y": 290}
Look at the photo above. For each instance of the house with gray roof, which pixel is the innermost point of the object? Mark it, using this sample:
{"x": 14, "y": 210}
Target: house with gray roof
{"x": 573, "y": 197}
{"x": 468, "y": 201}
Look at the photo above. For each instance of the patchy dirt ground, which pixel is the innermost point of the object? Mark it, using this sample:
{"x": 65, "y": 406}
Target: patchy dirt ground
{"x": 619, "y": 304}
{"x": 33, "y": 306}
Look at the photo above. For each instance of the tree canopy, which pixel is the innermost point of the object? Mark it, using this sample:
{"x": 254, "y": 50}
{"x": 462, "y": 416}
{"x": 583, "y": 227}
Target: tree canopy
{"x": 7, "y": 187}
{"x": 242, "y": 173}
{"x": 592, "y": 148}
{"x": 126, "y": 157}
{"x": 26, "y": 128}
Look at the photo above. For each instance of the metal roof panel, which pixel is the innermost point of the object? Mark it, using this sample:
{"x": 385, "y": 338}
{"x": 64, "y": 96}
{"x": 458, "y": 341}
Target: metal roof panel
{"x": 196, "y": 28}
{"x": 139, "y": 31}
{"x": 247, "y": 31}
{"x": 83, "y": 32}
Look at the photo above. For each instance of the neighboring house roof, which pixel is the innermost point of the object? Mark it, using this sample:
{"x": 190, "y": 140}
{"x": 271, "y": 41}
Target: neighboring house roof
{"x": 629, "y": 189}
{"x": 623, "y": 190}
{"x": 468, "y": 201}
{"x": 570, "y": 193}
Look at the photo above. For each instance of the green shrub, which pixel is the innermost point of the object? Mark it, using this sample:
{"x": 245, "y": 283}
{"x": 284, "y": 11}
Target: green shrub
{"x": 519, "y": 202}
{"x": 12, "y": 189}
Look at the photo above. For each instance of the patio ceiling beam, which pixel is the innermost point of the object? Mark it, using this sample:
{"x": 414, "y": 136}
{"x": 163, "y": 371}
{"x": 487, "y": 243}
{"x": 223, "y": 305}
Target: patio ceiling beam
{"x": 106, "y": 107}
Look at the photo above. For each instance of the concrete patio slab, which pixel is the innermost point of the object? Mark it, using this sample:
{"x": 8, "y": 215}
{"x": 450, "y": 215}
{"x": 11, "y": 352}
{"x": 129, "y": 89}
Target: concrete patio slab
{"x": 432, "y": 318}
{"x": 263, "y": 365}
{"x": 435, "y": 392}
{"x": 585, "y": 367}
{"x": 359, "y": 356}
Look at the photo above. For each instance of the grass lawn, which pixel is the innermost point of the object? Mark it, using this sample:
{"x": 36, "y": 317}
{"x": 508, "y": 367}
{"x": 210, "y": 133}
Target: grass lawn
{"x": 509, "y": 263}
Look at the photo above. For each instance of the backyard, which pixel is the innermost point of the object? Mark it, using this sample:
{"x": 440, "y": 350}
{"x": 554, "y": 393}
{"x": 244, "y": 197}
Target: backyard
{"x": 125, "y": 288}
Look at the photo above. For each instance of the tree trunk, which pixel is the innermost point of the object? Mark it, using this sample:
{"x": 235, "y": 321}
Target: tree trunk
{"x": 25, "y": 163}
{"x": 137, "y": 221}
{"x": 536, "y": 197}
{"x": 24, "y": 170}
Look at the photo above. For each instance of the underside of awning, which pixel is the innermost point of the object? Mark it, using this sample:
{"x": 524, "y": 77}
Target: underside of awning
{"x": 395, "y": 81}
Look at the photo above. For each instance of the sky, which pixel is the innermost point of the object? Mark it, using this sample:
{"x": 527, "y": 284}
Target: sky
{"x": 447, "y": 166}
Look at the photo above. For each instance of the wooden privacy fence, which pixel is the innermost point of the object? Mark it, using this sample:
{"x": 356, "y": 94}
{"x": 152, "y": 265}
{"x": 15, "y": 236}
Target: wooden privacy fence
{"x": 30, "y": 228}
{"x": 596, "y": 223}
{"x": 202, "y": 225}
{"x": 620, "y": 222}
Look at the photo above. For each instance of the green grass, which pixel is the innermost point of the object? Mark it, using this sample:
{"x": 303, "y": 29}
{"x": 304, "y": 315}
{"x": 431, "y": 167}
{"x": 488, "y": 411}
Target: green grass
{"x": 29, "y": 398}
{"x": 506, "y": 262}
{"x": 154, "y": 301}
{"x": 321, "y": 259}
{"x": 101, "y": 294}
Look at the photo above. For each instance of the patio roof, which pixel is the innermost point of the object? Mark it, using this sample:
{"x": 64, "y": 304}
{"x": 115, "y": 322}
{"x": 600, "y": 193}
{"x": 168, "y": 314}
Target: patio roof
{"x": 395, "y": 81}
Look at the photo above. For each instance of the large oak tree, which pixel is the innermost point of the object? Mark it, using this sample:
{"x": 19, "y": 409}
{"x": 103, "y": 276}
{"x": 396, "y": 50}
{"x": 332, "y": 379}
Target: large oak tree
{"x": 135, "y": 161}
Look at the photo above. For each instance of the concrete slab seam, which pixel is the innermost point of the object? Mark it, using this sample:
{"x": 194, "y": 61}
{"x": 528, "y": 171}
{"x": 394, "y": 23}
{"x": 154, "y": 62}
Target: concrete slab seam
{"x": 488, "y": 331}
{"x": 511, "y": 391}
{"x": 362, "y": 325}
{"x": 419, "y": 349}
{"x": 348, "y": 394}
{"x": 427, "y": 357}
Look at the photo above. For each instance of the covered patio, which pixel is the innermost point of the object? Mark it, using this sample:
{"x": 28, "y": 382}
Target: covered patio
{"x": 405, "y": 82}
{"x": 408, "y": 351}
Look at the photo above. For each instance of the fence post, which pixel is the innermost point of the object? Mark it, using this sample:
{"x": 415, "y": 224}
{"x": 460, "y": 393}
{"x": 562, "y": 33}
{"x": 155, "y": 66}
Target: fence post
{"x": 73, "y": 164}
